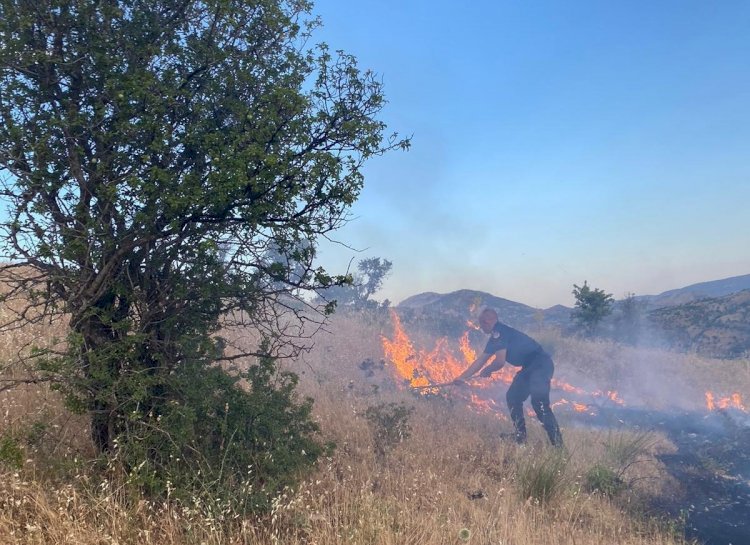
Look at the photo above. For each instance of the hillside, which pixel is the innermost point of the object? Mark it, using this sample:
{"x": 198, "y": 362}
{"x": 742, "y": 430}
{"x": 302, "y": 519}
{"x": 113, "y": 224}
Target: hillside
{"x": 694, "y": 292}
{"x": 447, "y": 314}
{"x": 718, "y": 326}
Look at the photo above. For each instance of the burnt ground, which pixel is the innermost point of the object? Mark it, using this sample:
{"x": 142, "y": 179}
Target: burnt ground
{"x": 712, "y": 465}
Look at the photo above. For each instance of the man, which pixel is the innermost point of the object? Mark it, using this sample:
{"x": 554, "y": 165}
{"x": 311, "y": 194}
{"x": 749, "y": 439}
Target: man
{"x": 509, "y": 345}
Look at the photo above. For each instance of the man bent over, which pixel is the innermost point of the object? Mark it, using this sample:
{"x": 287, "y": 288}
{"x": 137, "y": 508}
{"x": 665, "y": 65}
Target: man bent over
{"x": 509, "y": 345}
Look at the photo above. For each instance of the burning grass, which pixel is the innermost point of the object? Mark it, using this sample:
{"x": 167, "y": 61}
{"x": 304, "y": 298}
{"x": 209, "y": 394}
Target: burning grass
{"x": 453, "y": 478}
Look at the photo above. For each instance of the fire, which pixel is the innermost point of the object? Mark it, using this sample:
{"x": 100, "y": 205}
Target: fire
{"x": 467, "y": 351}
{"x": 577, "y": 407}
{"x": 488, "y": 406}
{"x": 610, "y": 395}
{"x": 733, "y": 401}
{"x": 419, "y": 368}
{"x": 565, "y": 387}
{"x": 472, "y": 325}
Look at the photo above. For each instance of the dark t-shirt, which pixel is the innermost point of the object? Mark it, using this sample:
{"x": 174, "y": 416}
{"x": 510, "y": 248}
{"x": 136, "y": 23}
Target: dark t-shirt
{"x": 520, "y": 348}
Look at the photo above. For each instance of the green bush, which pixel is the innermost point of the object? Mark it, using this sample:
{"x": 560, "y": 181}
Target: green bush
{"x": 622, "y": 450}
{"x": 11, "y": 453}
{"x": 603, "y": 479}
{"x": 211, "y": 441}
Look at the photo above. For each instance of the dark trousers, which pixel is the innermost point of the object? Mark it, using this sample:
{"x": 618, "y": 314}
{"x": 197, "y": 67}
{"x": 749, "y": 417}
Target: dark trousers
{"x": 534, "y": 380}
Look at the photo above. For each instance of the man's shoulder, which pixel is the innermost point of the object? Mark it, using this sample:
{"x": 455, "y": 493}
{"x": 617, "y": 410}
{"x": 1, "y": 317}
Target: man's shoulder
{"x": 511, "y": 333}
{"x": 502, "y": 328}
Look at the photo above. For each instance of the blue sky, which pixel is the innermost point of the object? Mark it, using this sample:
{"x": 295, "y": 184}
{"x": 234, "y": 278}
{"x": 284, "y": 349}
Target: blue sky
{"x": 553, "y": 142}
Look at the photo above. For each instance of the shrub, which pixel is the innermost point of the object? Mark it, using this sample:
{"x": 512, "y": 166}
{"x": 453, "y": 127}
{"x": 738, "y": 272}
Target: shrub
{"x": 390, "y": 425}
{"x": 213, "y": 443}
{"x": 624, "y": 449}
{"x": 601, "y": 478}
{"x": 11, "y": 453}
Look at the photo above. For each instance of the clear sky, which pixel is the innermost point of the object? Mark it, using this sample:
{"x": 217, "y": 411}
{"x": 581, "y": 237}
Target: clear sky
{"x": 553, "y": 142}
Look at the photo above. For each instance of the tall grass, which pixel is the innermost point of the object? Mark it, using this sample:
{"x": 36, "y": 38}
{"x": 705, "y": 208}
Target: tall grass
{"x": 542, "y": 476}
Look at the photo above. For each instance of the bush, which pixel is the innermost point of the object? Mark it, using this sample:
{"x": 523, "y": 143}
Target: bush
{"x": 212, "y": 443}
{"x": 601, "y": 478}
{"x": 390, "y": 425}
{"x": 11, "y": 453}
{"x": 624, "y": 449}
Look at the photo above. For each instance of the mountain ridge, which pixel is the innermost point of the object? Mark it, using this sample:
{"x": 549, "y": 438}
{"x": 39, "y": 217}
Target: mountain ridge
{"x": 688, "y": 318}
{"x": 691, "y": 292}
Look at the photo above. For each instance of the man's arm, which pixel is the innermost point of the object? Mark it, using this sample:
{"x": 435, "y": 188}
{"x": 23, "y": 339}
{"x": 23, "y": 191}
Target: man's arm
{"x": 496, "y": 365}
{"x": 480, "y": 362}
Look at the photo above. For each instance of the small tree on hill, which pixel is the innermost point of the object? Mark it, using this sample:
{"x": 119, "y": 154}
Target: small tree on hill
{"x": 167, "y": 168}
{"x": 367, "y": 281}
{"x": 591, "y": 307}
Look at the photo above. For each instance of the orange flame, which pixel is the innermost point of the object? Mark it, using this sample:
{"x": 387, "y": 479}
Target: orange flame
{"x": 733, "y": 401}
{"x": 467, "y": 351}
{"x": 472, "y": 325}
{"x": 418, "y": 367}
{"x": 488, "y": 406}
{"x": 565, "y": 387}
{"x": 610, "y": 395}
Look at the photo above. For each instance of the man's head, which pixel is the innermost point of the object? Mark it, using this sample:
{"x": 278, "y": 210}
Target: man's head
{"x": 487, "y": 320}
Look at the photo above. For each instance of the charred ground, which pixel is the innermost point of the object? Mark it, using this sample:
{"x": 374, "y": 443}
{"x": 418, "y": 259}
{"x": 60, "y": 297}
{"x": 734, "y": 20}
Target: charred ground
{"x": 711, "y": 463}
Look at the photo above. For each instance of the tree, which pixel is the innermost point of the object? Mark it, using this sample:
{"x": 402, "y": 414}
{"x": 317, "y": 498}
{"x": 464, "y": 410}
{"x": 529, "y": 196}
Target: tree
{"x": 152, "y": 155}
{"x": 361, "y": 286}
{"x": 591, "y": 307}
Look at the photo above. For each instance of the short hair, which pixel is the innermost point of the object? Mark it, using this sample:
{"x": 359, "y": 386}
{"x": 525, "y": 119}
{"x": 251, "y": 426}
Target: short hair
{"x": 487, "y": 311}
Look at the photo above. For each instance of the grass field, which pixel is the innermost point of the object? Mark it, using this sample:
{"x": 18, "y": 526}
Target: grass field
{"x": 451, "y": 479}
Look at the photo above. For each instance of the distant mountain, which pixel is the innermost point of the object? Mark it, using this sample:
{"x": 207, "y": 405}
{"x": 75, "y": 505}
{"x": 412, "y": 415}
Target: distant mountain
{"x": 420, "y": 300}
{"x": 695, "y": 292}
{"x": 447, "y": 314}
{"x": 717, "y": 326}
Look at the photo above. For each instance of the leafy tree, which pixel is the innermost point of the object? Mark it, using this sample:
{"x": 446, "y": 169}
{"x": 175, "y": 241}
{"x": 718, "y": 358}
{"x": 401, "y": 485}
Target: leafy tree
{"x": 152, "y": 156}
{"x": 591, "y": 307}
{"x": 362, "y": 285}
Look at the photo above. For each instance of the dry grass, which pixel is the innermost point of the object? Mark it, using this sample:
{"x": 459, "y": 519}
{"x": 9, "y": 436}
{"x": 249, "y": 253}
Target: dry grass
{"x": 454, "y": 475}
